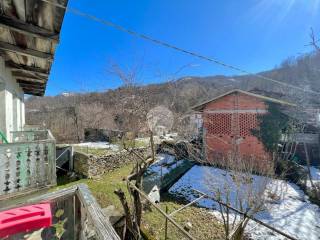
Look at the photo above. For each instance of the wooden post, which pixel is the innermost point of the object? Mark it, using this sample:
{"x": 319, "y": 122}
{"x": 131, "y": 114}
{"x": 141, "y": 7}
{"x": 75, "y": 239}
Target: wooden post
{"x": 166, "y": 225}
{"x": 161, "y": 177}
{"x": 163, "y": 212}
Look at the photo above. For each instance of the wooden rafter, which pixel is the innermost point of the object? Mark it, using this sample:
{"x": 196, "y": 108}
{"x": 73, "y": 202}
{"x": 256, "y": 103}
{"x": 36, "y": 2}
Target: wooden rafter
{"x": 37, "y": 82}
{"x": 25, "y": 86}
{"x": 31, "y": 86}
{"x": 29, "y": 90}
{"x": 27, "y": 69}
{"x": 30, "y": 34}
{"x": 25, "y": 52}
{"x": 27, "y": 29}
{"x": 30, "y": 79}
{"x": 34, "y": 93}
{"x": 18, "y": 74}
{"x": 39, "y": 94}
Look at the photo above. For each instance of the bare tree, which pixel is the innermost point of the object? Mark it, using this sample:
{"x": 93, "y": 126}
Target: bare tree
{"x": 315, "y": 187}
{"x": 314, "y": 40}
{"x": 133, "y": 211}
{"x": 132, "y": 108}
{"x": 239, "y": 189}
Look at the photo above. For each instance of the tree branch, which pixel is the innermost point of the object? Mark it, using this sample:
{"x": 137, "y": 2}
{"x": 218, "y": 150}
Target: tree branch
{"x": 314, "y": 41}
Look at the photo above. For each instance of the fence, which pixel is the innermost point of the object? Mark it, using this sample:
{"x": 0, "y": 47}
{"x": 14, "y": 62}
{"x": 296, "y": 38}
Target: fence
{"x": 30, "y": 135}
{"x": 181, "y": 232}
{"x": 27, "y": 163}
{"x": 176, "y": 231}
{"x": 76, "y": 215}
{"x": 246, "y": 216}
{"x": 3, "y": 138}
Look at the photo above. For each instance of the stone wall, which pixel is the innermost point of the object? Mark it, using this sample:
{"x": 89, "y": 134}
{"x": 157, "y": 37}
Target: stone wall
{"x": 101, "y": 135}
{"x": 95, "y": 166}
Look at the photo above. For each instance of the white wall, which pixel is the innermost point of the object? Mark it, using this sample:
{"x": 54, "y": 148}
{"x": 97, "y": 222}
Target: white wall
{"x": 11, "y": 102}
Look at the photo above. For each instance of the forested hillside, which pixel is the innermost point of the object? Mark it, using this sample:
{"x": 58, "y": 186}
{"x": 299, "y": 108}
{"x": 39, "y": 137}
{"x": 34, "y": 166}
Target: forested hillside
{"x": 125, "y": 108}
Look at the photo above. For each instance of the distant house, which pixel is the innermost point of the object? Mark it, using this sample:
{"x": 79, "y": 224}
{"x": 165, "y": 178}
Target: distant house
{"x": 228, "y": 121}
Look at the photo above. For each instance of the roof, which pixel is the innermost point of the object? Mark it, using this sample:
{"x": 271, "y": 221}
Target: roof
{"x": 265, "y": 98}
{"x": 29, "y": 34}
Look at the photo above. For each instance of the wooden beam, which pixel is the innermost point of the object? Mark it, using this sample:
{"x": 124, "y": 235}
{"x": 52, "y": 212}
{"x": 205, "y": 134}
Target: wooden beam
{"x": 31, "y": 79}
{"x": 26, "y": 88}
{"x": 34, "y": 89}
{"x": 28, "y": 69}
{"x": 27, "y": 29}
{"x": 18, "y": 74}
{"x": 33, "y": 92}
{"x": 33, "y": 86}
{"x": 102, "y": 225}
{"x": 25, "y": 52}
{"x": 30, "y": 82}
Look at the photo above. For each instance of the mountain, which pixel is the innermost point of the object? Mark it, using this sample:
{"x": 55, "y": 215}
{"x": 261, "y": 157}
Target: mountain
{"x": 125, "y": 108}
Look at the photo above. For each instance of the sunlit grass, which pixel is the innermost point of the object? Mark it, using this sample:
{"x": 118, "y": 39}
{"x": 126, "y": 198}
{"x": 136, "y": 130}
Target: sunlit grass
{"x": 204, "y": 225}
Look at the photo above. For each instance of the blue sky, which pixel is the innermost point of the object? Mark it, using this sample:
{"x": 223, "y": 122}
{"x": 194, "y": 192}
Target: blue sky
{"x": 252, "y": 34}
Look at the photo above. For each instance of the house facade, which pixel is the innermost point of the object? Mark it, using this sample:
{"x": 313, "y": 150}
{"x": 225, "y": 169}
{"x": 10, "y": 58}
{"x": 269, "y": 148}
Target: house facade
{"x": 30, "y": 32}
{"x": 228, "y": 121}
{"x": 12, "y": 112}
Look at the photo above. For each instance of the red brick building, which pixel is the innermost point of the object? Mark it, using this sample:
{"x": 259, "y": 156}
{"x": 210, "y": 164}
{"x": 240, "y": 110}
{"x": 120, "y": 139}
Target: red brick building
{"x": 228, "y": 121}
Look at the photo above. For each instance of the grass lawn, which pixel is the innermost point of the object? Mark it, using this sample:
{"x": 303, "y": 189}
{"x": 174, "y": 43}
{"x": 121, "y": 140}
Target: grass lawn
{"x": 204, "y": 225}
{"x": 100, "y": 151}
{"x": 136, "y": 143}
{"x": 93, "y": 151}
{"x": 103, "y": 188}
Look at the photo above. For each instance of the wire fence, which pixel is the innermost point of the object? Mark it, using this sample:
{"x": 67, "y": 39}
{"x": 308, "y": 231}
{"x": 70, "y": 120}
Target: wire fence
{"x": 178, "y": 49}
{"x": 187, "y": 221}
{"x": 196, "y": 221}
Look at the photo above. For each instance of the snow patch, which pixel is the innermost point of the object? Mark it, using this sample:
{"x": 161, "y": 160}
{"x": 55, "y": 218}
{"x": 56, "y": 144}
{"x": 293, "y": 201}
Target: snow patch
{"x": 315, "y": 176}
{"x": 286, "y": 208}
{"x": 98, "y": 145}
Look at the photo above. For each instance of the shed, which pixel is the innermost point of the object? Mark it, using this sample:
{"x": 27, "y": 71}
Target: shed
{"x": 228, "y": 121}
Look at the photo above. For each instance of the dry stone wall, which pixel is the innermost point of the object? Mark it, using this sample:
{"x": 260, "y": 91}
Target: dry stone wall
{"x": 95, "y": 166}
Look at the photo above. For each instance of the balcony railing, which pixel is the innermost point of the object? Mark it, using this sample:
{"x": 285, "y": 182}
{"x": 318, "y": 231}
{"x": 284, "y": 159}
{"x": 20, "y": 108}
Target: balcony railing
{"x": 3, "y": 138}
{"x": 75, "y": 215}
{"x": 27, "y": 163}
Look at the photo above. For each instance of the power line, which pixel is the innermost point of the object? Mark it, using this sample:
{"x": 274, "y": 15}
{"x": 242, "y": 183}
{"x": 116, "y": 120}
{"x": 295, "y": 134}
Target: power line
{"x": 165, "y": 44}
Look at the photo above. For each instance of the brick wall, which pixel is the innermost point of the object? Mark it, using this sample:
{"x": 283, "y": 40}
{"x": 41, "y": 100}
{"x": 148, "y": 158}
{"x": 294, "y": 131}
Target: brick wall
{"x": 228, "y": 122}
